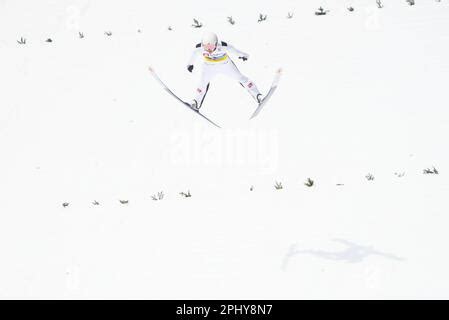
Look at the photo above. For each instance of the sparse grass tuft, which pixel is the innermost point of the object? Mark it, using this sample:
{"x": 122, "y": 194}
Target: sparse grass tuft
{"x": 159, "y": 196}
{"x": 186, "y": 195}
{"x": 309, "y": 182}
{"x": 321, "y": 12}
{"x": 262, "y": 17}
{"x": 278, "y": 185}
{"x": 196, "y": 24}
{"x": 430, "y": 171}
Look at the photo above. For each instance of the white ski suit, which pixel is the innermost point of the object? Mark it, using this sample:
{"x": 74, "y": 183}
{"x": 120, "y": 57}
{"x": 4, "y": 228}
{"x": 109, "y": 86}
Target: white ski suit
{"x": 219, "y": 62}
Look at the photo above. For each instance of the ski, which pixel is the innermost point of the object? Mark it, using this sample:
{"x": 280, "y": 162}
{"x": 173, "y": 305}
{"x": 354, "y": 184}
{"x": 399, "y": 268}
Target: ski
{"x": 269, "y": 94}
{"x": 153, "y": 73}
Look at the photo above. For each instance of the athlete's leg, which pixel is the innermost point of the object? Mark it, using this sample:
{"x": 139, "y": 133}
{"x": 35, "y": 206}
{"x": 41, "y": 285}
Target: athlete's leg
{"x": 207, "y": 73}
{"x": 230, "y": 69}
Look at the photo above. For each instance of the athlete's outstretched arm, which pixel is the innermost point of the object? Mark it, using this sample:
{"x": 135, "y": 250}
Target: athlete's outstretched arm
{"x": 237, "y": 52}
{"x": 193, "y": 57}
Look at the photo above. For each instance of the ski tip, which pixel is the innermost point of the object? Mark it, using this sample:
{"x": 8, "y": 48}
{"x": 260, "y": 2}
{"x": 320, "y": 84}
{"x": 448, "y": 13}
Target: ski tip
{"x": 150, "y": 68}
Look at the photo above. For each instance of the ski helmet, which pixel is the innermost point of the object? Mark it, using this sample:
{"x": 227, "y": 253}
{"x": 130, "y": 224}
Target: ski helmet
{"x": 209, "y": 38}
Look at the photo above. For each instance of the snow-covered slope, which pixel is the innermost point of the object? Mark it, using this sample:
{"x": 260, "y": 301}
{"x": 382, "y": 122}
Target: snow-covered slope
{"x": 81, "y": 120}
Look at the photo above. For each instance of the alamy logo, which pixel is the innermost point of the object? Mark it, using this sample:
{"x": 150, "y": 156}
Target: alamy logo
{"x": 253, "y": 149}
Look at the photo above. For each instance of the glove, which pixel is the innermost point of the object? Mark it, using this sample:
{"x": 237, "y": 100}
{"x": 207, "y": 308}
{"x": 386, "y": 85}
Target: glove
{"x": 190, "y": 67}
{"x": 244, "y": 58}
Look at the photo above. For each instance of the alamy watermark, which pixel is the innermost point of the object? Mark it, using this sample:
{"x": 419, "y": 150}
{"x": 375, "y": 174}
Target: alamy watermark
{"x": 227, "y": 148}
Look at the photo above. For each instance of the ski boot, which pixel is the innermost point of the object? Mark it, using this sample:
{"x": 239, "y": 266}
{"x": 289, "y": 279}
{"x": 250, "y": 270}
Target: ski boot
{"x": 194, "y": 105}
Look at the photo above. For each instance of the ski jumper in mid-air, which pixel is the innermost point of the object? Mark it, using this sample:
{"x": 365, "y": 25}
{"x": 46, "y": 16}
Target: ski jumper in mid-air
{"x": 215, "y": 60}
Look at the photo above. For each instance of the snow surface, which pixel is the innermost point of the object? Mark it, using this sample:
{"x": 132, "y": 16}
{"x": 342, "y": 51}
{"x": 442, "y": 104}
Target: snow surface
{"x": 81, "y": 120}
